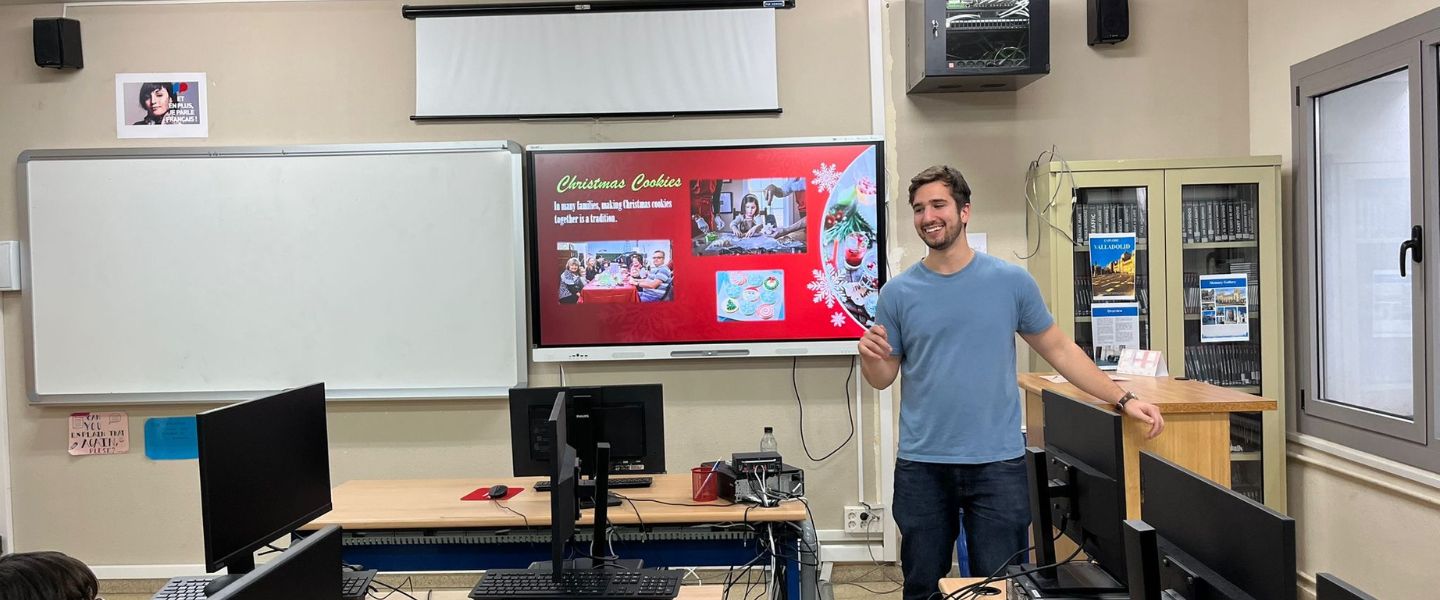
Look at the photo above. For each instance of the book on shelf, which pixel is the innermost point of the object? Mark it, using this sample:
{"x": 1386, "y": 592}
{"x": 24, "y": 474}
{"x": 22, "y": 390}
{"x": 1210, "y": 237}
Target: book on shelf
{"x": 1245, "y": 431}
{"x": 1252, "y": 270}
{"x": 1207, "y": 221}
{"x": 1191, "y": 283}
{"x": 1107, "y": 217}
{"x": 1224, "y": 364}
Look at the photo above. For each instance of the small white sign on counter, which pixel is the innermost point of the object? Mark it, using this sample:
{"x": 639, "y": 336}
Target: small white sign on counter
{"x": 1142, "y": 362}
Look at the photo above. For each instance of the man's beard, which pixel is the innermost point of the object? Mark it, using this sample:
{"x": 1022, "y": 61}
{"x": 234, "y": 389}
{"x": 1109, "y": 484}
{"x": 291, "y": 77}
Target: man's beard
{"x": 947, "y": 241}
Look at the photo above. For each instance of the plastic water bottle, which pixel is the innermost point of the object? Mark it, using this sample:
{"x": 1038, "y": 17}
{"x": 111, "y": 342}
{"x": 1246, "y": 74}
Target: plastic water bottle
{"x": 767, "y": 441}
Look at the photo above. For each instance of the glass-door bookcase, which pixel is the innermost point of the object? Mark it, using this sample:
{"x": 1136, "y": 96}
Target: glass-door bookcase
{"x": 1181, "y": 256}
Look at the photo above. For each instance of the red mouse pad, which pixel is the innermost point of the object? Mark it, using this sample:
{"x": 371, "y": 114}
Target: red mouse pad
{"x": 484, "y": 494}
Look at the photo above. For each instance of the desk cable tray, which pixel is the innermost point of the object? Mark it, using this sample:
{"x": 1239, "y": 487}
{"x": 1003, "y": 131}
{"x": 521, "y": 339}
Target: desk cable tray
{"x": 519, "y": 535}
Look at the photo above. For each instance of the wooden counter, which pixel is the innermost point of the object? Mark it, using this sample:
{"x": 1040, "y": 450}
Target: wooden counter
{"x": 1170, "y": 394}
{"x": 436, "y": 503}
{"x": 1197, "y": 424}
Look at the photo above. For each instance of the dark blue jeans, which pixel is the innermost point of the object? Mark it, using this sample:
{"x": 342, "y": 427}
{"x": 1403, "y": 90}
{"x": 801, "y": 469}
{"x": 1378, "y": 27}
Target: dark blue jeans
{"x": 929, "y": 498}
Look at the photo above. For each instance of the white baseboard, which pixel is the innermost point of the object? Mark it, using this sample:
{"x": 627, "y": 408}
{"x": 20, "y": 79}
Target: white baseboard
{"x": 835, "y": 546}
{"x": 839, "y": 547}
{"x": 146, "y": 571}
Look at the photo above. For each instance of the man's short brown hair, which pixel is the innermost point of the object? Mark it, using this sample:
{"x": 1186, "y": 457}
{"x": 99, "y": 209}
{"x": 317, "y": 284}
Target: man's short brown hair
{"x": 959, "y": 189}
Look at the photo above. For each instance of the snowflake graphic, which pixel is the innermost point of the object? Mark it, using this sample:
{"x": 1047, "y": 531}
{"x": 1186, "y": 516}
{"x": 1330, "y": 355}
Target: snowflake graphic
{"x": 838, "y": 319}
{"x": 821, "y": 286}
{"x": 825, "y": 177}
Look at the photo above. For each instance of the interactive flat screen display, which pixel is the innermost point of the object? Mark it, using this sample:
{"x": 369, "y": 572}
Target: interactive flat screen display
{"x": 709, "y": 249}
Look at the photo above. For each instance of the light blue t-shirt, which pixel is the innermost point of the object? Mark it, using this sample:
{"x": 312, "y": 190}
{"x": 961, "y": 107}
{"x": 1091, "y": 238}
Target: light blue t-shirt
{"x": 955, "y": 336}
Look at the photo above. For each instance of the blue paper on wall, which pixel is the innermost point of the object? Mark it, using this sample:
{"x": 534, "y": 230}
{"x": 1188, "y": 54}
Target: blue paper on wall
{"x": 170, "y": 438}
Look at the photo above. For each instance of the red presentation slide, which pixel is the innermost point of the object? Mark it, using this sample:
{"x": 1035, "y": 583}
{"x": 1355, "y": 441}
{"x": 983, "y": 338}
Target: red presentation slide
{"x": 705, "y": 245}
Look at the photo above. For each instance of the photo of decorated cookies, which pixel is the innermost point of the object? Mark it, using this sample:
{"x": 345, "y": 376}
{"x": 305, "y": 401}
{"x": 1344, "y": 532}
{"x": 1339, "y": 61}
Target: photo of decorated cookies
{"x": 750, "y": 295}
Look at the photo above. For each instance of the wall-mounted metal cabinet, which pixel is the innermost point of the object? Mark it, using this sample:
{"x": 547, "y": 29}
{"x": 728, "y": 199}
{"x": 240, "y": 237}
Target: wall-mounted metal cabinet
{"x": 976, "y": 45}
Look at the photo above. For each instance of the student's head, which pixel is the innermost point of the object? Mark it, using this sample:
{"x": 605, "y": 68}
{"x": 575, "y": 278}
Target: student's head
{"x": 573, "y": 265}
{"x": 658, "y": 257}
{"x": 45, "y": 576}
{"x": 940, "y": 200}
{"x": 636, "y": 262}
{"x": 155, "y": 98}
{"x": 749, "y": 205}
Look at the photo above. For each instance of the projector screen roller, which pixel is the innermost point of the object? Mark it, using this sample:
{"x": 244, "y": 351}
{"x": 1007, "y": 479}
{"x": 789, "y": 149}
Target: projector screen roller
{"x": 596, "y": 64}
{"x": 704, "y": 249}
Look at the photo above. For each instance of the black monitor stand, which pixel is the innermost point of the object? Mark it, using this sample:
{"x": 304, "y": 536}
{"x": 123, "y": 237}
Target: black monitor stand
{"x": 235, "y": 568}
{"x": 589, "y": 489}
{"x": 1074, "y": 577}
{"x": 599, "y": 549}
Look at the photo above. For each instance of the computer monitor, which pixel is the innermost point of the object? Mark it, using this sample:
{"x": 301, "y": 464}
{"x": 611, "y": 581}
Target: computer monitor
{"x": 630, "y": 417}
{"x": 264, "y": 471}
{"x": 1201, "y": 541}
{"x": 1330, "y": 587}
{"x": 308, "y": 570}
{"x": 564, "y": 511}
{"x": 1077, "y": 483}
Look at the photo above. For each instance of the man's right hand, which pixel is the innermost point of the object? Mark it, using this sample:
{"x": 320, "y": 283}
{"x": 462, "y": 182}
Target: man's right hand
{"x": 875, "y": 344}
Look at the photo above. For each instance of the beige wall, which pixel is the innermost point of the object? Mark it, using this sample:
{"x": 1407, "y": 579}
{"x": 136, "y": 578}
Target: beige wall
{"x": 342, "y": 72}
{"x": 1352, "y": 519}
{"x": 1175, "y": 89}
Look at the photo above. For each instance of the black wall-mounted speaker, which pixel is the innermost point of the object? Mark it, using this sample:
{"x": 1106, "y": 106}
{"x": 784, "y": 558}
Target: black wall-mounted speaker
{"x": 57, "y": 43}
{"x": 1109, "y": 21}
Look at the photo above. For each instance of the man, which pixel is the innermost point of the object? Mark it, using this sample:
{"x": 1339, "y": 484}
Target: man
{"x": 949, "y": 322}
{"x": 654, "y": 287}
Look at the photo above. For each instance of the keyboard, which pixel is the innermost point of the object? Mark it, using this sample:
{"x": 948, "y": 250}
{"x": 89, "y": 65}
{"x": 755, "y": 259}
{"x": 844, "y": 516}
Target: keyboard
{"x": 613, "y": 483}
{"x": 643, "y": 584}
{"x": 183, "y": 588}
{"x": 353, "y": 586}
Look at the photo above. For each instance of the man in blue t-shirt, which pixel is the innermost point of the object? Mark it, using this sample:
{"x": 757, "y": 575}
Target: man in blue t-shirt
{"x": 949, "y": 324}
{"x": 654, "y": 287}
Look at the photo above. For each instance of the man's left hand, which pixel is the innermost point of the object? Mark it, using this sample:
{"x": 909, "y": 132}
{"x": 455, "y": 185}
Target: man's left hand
{"x": 1146, "y": 413}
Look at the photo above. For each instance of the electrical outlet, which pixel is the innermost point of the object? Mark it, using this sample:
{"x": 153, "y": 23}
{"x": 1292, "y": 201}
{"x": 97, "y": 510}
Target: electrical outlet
{"x": 859, "y": 519}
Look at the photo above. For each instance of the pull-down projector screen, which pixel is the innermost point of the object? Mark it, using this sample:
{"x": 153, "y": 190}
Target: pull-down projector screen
{"x": 596, "y": 64}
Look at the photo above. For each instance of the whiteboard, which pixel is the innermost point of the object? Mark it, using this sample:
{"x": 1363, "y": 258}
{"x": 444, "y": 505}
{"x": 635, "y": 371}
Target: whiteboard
{"x": 211, "y": 274}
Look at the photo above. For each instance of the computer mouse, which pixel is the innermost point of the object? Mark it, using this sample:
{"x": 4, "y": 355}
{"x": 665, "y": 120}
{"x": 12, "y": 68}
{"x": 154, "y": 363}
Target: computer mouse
{"x": 499, "y": 491}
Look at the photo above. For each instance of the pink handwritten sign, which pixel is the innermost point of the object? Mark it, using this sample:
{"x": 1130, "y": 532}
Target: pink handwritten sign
{"x": 99, "y": 433}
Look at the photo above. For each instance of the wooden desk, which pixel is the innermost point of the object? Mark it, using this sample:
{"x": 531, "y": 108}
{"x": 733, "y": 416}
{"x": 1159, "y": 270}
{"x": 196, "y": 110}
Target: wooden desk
{"x": 1197, "y": 424}
{"x": 422, "y": 524}
{"x": 688, "y": 592}
{"x": 950, "y": 584}
{"x": 436, "y": 503}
